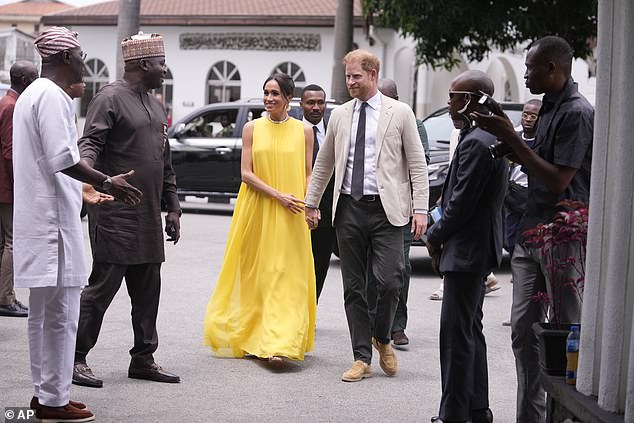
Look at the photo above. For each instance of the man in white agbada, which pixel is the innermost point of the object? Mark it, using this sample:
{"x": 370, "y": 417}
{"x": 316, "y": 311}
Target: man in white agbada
{"x": 48, "y": 241}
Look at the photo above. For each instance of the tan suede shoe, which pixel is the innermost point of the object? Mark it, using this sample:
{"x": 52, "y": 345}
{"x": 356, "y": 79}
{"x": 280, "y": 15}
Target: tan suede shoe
{"x": 358, "y": 371}
{"x": 387, "y": 359}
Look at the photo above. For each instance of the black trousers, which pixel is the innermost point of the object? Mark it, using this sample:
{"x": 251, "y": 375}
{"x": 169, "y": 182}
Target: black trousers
{"x": 143, "y": 282}
{"x": 361, "y": 227}
{"x": 463, "y": 361}
{"x": 323, "y": 243}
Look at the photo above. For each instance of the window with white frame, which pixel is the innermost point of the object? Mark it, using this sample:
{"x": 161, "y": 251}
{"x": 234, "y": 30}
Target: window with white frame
{"x": 223, "y": 82}
{"x": 96, "y": 76}
{"x": 294, "y": 71}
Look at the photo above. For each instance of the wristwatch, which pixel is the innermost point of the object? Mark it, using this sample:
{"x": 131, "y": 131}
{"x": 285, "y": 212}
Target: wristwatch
{"x": 106, "y": 185}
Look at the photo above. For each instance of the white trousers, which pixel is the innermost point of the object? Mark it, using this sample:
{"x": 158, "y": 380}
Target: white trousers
{"x": 52, "y": 329}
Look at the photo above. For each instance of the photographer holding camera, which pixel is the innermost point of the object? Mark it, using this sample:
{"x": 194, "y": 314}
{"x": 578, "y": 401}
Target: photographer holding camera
{"x": 558, "y": 167}
{"x": 465, "y": 245}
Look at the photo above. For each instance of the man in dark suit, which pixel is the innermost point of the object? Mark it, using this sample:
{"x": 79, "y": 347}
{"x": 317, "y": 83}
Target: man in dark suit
{"x": 323, "y": 238}
{"x": 465, "y": 245}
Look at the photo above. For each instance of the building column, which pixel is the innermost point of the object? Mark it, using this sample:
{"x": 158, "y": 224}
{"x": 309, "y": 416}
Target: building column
{"x": 606, "y": 363}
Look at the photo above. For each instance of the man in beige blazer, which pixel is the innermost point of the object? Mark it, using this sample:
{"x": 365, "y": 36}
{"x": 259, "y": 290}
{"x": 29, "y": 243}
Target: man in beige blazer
{"x": 373, "y": 147}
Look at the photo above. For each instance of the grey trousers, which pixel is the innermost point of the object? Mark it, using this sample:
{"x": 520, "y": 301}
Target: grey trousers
{"x": 400, "y": 317}
{"x": 529, "y": 277}
{"x": 363, "y": 227}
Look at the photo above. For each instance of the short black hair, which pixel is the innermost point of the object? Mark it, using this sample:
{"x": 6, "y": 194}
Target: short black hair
{"x": 286, "y": 83}
{"x": 554, "y": 49}
{"x": 313, "y": 87}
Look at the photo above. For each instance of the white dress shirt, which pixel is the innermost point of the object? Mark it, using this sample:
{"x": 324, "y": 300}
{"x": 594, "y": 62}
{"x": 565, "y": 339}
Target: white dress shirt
{"x": 321, "y": 130}
{"x": 372, "y": 113}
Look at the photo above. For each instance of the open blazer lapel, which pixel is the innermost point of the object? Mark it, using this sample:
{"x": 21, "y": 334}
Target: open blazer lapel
{"x": 384, "y": 121}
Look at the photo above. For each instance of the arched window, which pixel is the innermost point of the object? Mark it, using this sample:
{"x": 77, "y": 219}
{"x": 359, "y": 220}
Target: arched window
{"x": 96, "y": 77}
{"x": 294, "y": 71}
{"x": 223, "y": 82}
{"x": 165, "y": 94}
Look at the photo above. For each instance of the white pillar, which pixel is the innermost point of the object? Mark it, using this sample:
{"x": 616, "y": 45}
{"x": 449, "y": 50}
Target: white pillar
{"x": 606, "y": 364}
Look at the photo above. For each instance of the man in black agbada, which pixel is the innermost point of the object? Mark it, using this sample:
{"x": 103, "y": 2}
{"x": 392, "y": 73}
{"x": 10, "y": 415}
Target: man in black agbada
{"x": 126, "y": 127}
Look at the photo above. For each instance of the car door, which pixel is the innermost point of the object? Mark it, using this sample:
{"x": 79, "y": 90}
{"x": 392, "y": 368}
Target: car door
{"x": 206, "y": 152}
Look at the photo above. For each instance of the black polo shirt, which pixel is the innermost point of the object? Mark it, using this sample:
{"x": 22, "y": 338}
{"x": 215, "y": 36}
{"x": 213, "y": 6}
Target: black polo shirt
{"x": 563, "y": 137}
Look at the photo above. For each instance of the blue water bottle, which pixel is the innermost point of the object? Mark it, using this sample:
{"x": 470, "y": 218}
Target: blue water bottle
{"x": 572, "y": 355}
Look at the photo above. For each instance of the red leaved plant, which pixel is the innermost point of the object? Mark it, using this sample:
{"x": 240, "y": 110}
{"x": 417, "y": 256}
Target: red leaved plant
{"x": 558, "y": 241}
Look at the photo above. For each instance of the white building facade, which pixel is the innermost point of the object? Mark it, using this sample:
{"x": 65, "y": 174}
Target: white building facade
{"x": 230, "y": 57}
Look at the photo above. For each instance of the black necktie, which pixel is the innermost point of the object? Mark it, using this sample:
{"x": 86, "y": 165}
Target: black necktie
{"x": 356, "y": 190}
{"x": 315, "y": 144}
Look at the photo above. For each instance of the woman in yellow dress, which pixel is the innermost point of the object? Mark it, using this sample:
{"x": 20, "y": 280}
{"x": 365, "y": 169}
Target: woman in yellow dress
{"x": 264, "y": 300}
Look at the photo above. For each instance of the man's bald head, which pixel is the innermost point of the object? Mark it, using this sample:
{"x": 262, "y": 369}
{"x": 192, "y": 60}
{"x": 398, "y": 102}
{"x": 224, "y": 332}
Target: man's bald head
{"x": 22, "y": 73}
{"x": 473, "y": 81}
{"x": 388, "y": 88}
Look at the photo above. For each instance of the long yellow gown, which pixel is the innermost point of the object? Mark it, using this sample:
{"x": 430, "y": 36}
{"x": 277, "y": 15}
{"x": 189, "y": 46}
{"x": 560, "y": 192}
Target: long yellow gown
{"x": 264, "y": 301}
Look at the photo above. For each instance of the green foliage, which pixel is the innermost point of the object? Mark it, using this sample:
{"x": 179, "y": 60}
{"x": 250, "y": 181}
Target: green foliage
{"x": 445, "y": 29}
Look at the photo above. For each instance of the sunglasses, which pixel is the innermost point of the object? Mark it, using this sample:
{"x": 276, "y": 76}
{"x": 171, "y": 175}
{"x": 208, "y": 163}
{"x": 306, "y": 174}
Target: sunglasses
{"x": 452, "y": 93}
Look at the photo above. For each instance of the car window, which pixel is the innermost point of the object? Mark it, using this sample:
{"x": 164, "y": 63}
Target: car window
{"x": 213, "y": 124}
{"x": 254, "y": 113}
{"x": 439, "y": 129}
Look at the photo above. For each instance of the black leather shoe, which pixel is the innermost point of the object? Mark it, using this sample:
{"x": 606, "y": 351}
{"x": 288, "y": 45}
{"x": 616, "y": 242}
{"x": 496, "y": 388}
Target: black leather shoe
{"x": 152, "y": 372}
{"x": 16, "y": 309}
{"x": 82, "y": 376}
{"x": 483, "y": 415}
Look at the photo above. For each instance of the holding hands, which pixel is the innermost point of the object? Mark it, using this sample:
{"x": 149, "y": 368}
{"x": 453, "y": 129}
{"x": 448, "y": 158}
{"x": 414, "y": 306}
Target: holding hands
{"x": 312, "y": 217}
{"x": 290, "y": 202}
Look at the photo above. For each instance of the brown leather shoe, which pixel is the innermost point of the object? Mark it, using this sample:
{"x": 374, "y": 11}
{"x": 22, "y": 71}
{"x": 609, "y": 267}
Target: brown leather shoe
{"x": 399, "y": 338}
{"x": 358, "y": 371}
{"x": 36, "y": 403}
{"x": 387, "y": 359}
{"x": 83, "y": 376}
{"x": 67, "y": 413}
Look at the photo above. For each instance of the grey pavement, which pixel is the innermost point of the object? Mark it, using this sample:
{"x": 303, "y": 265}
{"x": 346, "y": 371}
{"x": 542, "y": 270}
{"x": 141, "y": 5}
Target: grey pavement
{"x": 247, "y": 390}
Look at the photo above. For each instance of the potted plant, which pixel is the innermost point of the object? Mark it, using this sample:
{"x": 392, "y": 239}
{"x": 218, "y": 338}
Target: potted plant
{"x": 562, "y": 244}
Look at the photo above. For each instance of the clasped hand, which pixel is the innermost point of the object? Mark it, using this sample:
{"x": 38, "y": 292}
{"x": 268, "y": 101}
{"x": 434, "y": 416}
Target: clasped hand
{"x": 312, "y": 217}
{"x": 291, "y": 203}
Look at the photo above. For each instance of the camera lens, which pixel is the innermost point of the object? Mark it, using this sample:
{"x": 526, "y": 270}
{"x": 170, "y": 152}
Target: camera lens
{"x": 499, "y": 150}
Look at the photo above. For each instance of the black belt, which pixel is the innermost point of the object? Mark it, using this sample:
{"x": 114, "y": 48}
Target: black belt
{"x": 370, "y": 198}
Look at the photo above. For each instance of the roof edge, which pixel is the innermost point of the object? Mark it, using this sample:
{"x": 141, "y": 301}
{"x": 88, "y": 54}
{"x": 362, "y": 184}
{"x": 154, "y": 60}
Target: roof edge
{"x": 194, "y": 20}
